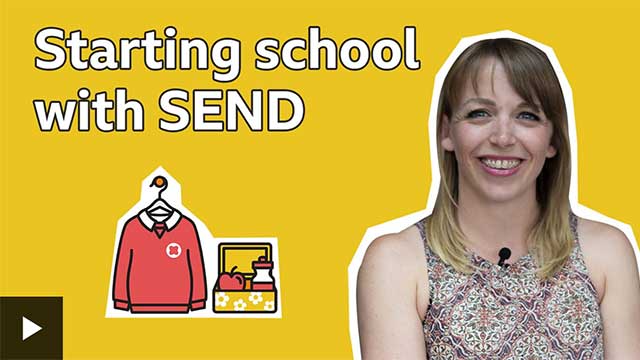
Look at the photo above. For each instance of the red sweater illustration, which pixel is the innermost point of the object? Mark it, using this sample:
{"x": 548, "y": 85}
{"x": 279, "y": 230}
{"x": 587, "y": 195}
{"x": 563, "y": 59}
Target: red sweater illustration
{"x": 159, "y": 267}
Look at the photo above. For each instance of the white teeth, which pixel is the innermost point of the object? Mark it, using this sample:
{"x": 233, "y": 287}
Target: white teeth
{"x": 501, "y": 164}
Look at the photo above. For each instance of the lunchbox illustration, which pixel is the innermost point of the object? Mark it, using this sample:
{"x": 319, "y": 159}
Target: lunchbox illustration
{"x": 245, "y": 282}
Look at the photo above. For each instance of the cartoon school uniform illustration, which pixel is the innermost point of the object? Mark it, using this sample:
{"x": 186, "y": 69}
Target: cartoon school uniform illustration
{"x": 159, "y": 266}
{"x": 163, "y": 255}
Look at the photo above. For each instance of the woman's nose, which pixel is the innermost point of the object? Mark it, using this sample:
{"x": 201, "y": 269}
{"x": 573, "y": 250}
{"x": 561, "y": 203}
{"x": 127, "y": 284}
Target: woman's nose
{"x": 502, "y": 133}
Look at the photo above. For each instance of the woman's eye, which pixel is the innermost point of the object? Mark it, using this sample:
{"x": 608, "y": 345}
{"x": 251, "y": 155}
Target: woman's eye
{"x": 477, "y": 114}
{"x": 528, "y": 116}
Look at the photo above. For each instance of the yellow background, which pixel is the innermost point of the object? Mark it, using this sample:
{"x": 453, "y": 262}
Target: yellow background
{"x": 359, "y": 158}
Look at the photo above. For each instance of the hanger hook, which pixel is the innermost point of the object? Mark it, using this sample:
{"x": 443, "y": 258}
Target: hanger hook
{"x": 161, "y": 182}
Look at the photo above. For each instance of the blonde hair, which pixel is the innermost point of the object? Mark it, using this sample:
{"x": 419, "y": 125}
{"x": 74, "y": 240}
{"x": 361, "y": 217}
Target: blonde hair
{"x": 533, "y": 78}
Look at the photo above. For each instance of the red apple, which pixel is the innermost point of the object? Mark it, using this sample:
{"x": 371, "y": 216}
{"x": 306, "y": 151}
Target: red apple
{"x": 231, "y": 281}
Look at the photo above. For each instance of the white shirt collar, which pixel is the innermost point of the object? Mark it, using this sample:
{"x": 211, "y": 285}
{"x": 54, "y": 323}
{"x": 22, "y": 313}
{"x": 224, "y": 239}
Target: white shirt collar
{"x": 171, "y": 221}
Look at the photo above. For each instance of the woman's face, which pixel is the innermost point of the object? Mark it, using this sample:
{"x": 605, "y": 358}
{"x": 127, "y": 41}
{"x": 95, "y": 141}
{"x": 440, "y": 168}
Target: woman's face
{"x": 500, "y": 141}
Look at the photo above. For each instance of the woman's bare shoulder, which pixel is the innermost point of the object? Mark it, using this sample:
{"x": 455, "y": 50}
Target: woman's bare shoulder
{"x": 609, "y": 251}
{"x": 395, "y": 247}
{"x": 400, "y": 258}
{"x": 605, "y": 250}
{"x": 604, "y": 241}
{"x": 390, "y": 301}
{"x": 399, "y": 253}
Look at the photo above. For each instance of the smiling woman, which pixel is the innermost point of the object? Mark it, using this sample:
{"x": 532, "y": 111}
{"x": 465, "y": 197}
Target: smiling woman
{"x": 504, "y": 156}
{"x": 496, "y": 131}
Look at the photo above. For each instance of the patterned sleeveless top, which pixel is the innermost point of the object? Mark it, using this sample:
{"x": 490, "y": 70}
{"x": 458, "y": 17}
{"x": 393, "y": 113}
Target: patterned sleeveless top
{"x": 498, "y": 313}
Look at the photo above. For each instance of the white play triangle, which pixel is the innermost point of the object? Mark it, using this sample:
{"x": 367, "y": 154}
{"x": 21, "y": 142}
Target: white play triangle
{"x": 29, "y": 328}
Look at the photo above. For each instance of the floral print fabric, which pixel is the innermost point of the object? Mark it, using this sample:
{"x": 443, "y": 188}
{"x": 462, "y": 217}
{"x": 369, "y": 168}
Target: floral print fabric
{"x": 498, "y": 313}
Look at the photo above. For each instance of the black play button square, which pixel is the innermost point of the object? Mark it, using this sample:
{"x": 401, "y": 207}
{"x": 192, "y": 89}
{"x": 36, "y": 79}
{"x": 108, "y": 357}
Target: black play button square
{"x": 30, "y": 328}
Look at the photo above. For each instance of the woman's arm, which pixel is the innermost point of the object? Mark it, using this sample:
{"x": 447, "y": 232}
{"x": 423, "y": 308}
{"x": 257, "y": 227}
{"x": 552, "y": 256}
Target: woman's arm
{"x": 389, "y": 311}
{"x": 611, "y": 251}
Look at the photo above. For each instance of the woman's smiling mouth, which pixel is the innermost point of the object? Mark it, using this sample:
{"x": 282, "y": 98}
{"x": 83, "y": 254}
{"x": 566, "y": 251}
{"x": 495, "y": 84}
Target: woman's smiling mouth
{"x": 500, "y": 166}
